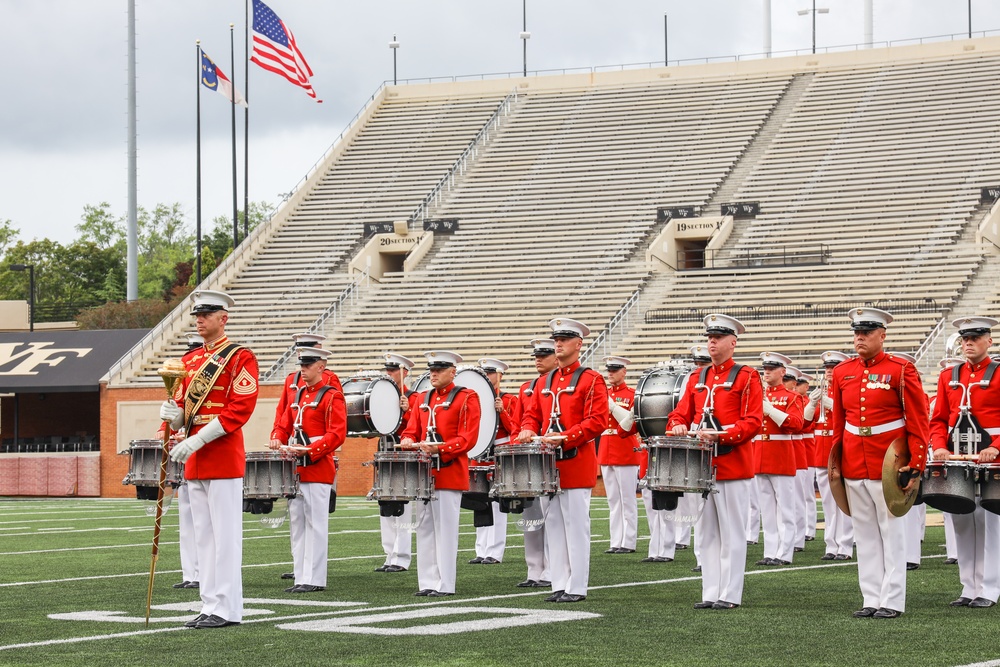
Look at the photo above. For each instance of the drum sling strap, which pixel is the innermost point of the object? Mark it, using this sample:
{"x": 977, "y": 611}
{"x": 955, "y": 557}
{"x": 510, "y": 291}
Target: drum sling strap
{"x": 444, "y": 406}
{"x": 301, "y": 437}
{"x": 967, "y": 431}
{"x": 203, "y": 381}
{"x": 564, "y": 454}
{"x": 713, "y": 421}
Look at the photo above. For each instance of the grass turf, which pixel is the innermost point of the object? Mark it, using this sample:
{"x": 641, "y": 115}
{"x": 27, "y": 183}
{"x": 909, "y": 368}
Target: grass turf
{"x": 65, "y": 556}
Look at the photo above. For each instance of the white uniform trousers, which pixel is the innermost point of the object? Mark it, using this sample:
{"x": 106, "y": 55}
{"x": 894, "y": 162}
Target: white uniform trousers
{"x": 809, "y": 497}
{"x": 949, "y": 536}
{"x": 492, "y": 540}
{"x": 916, "y": 520}
{"x": 217, "y": 508}
{"x": 309, "y": 525}
{"x": 623, "y": 508}
{"x": 437, "y": 541}
{"x": 397, "y": 537}
{"x": 722, "y": 535}
{"x": 880, "y": 540}
{"x": 838, "y": 530}
{"x": 567, "y": 537}
{"x": 800, "y": 507}
{"x": 188, "y": 546}
{"x": 536, "y": 556}
{"x": 977, "y": 538}
{"x": 688, "y": 509}
{"x": 661, "y": 528}
{"x": 753, "y": 521}
{"x": 778, "y": 500}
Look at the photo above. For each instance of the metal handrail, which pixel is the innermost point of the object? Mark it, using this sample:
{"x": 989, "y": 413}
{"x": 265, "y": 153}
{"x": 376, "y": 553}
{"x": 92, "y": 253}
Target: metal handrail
{"x": 458, "y": 167}
{"x": 928, "y": 343}
{"x": 603, "y": 340}
{"x": 352, "y": 293}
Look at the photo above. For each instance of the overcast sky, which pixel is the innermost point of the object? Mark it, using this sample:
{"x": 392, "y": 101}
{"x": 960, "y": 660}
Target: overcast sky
{"x": 63, "y": 110}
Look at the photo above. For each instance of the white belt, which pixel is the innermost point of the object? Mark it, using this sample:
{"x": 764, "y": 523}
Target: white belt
{"x": 764, "y": 437}
{"x": 695, "y": 427}
{"x": 993, "y": 431}
{"x": 865, "y": 431}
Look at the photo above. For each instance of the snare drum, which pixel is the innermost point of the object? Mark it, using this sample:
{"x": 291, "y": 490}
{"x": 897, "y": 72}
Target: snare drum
{"x": 403, "y": 476}
{"x": 950, "y": 486}
{"x": 477, "y": 498}
{"x": 270, "y": 475}
{"x": 372, "y": 406}
{"x": 144, "y": 465}
{"x": 989, "y": 487}
{"x": 656, "y": 395}
{"x": 475, "y": 379}
{"x": 679, "y": 464}
{"x": 525, "y": 470}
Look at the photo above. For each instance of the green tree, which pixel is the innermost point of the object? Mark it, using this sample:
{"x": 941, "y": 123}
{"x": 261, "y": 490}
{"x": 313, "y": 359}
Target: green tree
{"x": 220, "y": 238}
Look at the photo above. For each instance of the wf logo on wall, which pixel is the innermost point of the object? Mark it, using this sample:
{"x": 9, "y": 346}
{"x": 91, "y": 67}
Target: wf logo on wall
{"x": 30, "y": 358}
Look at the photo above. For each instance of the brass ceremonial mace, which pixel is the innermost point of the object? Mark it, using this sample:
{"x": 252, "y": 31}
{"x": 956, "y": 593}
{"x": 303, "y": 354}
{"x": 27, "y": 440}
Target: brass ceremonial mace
{"x": 172, "y": 372}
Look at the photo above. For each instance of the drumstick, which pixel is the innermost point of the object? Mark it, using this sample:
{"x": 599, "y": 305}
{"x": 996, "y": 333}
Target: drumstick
{"x": 963, "y": 457}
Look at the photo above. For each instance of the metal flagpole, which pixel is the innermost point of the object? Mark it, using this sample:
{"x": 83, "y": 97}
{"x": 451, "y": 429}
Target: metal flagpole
{"x": 246, "y": 118}
{"x": 198, "y": 168}
{"x": 236, "y": 218}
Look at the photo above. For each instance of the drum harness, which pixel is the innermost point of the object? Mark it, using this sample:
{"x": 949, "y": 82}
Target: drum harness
{"x": 708, "y": 418}
{"x": 555, "y": 426}
{"x": 299, "y": 435}
{"x": 432, "y": 434}
{"x": 967, "y": 434}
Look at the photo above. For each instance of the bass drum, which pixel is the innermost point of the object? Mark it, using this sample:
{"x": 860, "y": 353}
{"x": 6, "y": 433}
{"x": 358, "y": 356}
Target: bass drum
{"x": 372, "y": 406}
{"x": 656, "y": 395}
{"x": 475, "y": 379}
{"x": 422, "y": 384}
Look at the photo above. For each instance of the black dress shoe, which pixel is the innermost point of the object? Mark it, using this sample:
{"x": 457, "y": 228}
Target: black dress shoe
{"x": 865, "y": 612}
{"x": 722, "y": 604}
{"x": 705, "y": 604}
{"x": 778, "y": 561}
{"x": 885, "y": 612}
{"x": 696, "y": 568}
{"x": 438, "y": 594}
{"x": 423, "y": 593}
{"x": 181, "y": 584}
{"x": 195, "y": 621}
{"x": 528, "y": 583}
{"x": 664, "y": 559}
{"x": 542, "y": 583}
{"x": 612, "y": 550}
{"x": 395, "y": 568}
{"x": 763, "y": 561}
{"x": 810, "y": 538}
{"x": 288, "y": 575}
{"x": 308, "y": 588}
{"x": 911, "y": 566}
{"x": 680, "y": 547}
{"x": 490, "y": 560}
{"x": 192, "y": 584}
{"x": 569, "y": 597}
{"x": 799, "y": 550}
{"x": 649, "y": 559}
{"x": 750, "y": 542}
{"x": 384, "y": 568}
{"x": 960, "y": 602}
{"x": 623, "y": 550}
{"x": 292, "y": 589}
{"x": 951, "y": 561}
{"x": 828, "y": 556}
{"x": 843, "y": 557}
{"x": 982, "y": 603}
{"x": 212, "y": 622}
{"x": 476, "y": 561}
{"x": 555, "y": 596}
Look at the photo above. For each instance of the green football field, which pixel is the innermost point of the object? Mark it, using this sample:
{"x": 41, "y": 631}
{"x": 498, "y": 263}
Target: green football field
{"x": 73, "y": 576}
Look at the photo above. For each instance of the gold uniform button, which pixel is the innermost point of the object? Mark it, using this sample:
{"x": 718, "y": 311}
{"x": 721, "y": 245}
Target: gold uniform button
{"x": 862, "y": 390}
{"x": 862, "y": 408}
{"x": 862, "y": 419}
{"x": 972, "y": 375}
{"x": 716, "y": 377}
{"x": 862, "y": 399}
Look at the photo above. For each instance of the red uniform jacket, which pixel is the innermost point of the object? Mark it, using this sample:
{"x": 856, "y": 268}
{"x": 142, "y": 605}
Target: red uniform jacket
{"x": 740, "y": 410}
{"x": 774, "y": 447}
{"x": 458, "y": 426}
{"x": 231, "y": 400}
{"x": 871, "y": 395}
{"x": 803, "y": 440}
{"x": 415, "y": 399}
{"x": 617, "y": 445}
{"x": 327, "y": 421}
{"x": 584, "y": 415}
{"x": 288, "y": 395}
{"x": 509, "y": 425}
{"x": 822, "y": 433}
{"x": 524, "y": 396}
{"x": 985, "y": 404}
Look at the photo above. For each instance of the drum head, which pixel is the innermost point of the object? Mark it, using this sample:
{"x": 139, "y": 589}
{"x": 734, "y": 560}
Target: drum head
{"x": 383, "y": 404}
{"x": 656, "y": 395}
{"x": 476, "y": 380}
{"x": 422, "y": 384}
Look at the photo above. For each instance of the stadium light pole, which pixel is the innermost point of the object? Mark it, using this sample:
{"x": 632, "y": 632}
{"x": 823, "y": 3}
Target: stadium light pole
{"x": 525, "y": 35}
{"x": 970, "y": 19}
{"x": 666, "y": 43}
{"x": 30, "y": 268}
{"x": 394, "y": 45}
{"x": 814, "y": 11}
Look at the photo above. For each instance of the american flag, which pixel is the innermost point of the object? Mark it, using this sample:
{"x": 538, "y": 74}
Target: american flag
{"x": 275, "y": 50}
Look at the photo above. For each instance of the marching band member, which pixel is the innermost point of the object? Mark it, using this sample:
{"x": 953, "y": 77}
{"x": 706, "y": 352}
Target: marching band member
{"x": 185, "y": 519}
{"x": 972, "y": 385}
{"x": 949, "y": 527}
{"x": 838, "y": 531}
{"x": 446, "y": 426}
{"x": 808, "y": 475}
{"x": 877, "y": 398}
{"x": 535, "y": 555}
{"x": 397, "y": 536}
{"x": 570, "y": 411}
{"x": 790, "y": 380}
{"x": 220, "y": 393}
{"x": 618, "y": 459}
{"x": 313, "y": 426}
{"x": 689, "y": 504}
{"x": 915, "y": 521}
{"x": 491, "y": 540}
{"x": 774, "y": 454}
{"x": 734, "y": 398}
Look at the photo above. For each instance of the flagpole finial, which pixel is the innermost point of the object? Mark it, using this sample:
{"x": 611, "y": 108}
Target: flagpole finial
{"x": 197, "y": 42}
{"x": 232, "y": 25}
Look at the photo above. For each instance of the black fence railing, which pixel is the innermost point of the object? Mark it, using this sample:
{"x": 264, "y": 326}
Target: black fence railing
{"x": 61, "y": 312}
{"x": 782, "y": 256}
{"x": 50, "y": 444}
{"x": 777, "y": 312}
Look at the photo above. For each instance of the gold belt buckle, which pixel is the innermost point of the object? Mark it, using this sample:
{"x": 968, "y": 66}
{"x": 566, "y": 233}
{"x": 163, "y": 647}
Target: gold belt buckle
{"x": 865, "y": 431}
{"x": 765, "y": 437}
{"x": 826, "y": 434}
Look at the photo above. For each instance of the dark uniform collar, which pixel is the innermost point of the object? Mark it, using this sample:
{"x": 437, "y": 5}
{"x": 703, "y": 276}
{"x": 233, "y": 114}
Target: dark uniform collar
{"x": 868, "y": 363}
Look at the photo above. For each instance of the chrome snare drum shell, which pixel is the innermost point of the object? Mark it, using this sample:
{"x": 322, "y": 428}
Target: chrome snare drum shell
{"x": 950, "y": 486}
{"x": 680, "y": 464}
{"x": 269, "y": 475}
{"x": 403, "y": 476}
{"x": 525, "y": 470}
{"x": 989, "y": 487}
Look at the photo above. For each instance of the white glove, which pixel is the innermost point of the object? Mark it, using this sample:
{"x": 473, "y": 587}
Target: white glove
{"x": 776, "y": 415}
{"x": 809, "y": 411}
{"x": 624, "y": 417}
{"x": 185, "y": 448}
{"x": 827, "y": 403}
{"x": 815, "y": 395}
{"x": 173, "y": 415}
